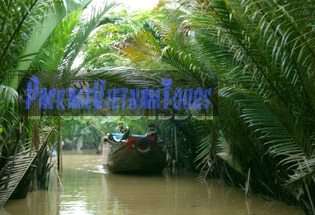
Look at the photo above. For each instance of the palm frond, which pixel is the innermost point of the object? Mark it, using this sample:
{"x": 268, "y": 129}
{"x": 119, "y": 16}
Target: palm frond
{"x": 224, "y": 152}
{"x": 89, "y": 21}
{"x": 285, "y": 137}
{"x": 205, "y": 146}
{"x": 40, "y": 34}
{"x": 8, "y": 95}
{"x": 16, "y": 18}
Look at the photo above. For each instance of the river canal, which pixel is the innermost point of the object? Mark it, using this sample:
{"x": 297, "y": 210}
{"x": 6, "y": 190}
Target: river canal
{"x": 88, "y": 190}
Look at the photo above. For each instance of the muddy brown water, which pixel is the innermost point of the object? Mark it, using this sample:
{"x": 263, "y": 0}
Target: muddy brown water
{"x": 88, "y": 189}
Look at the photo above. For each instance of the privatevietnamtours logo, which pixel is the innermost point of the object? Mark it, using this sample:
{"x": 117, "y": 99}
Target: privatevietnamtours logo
{"x": 98, "y": 98}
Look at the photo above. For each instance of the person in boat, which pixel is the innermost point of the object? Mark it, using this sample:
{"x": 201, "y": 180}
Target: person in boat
{"x": 120, "y": 128}
{"x": 152, "y": 132}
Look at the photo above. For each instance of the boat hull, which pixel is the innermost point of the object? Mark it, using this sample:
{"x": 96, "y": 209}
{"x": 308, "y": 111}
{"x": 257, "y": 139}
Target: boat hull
{"x": 124, "y": 157}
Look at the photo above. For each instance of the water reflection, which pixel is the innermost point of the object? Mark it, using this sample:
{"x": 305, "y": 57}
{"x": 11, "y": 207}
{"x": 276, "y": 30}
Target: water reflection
{"x": 36, "y": 203}
{"x": 181, "y": 195}
{"x": 88, "y": 189}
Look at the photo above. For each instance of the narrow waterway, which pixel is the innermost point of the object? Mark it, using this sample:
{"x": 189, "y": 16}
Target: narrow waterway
{"x": 88, "y": 189}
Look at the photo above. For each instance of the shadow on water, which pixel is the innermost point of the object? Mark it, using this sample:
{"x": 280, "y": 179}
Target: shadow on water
{"x": 89, "y": 189}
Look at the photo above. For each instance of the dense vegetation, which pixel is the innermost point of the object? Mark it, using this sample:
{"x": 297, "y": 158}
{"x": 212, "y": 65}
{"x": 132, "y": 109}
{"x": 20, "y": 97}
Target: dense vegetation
{"x": 261, "y": 53}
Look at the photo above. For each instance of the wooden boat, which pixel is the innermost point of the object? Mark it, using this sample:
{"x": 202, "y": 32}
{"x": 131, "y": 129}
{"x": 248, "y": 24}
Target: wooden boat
{"x": 134, "y": 153}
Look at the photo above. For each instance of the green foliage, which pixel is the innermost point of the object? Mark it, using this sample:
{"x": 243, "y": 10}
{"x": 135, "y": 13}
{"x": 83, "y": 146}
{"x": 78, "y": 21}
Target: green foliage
{"x": 76, "y": 131}
{"x": 263, "y": 55}
{"x": 8, "y": 118}
{"x": 101, "y": 47}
